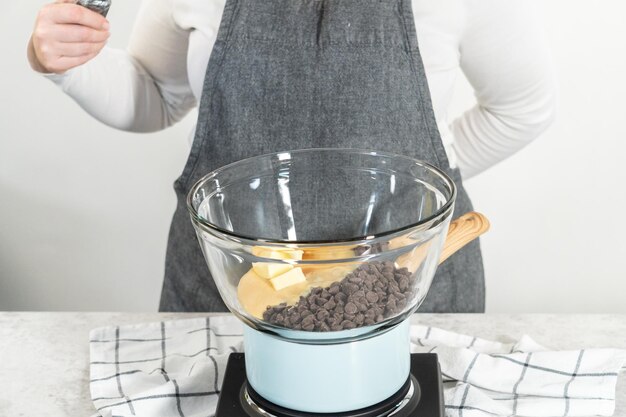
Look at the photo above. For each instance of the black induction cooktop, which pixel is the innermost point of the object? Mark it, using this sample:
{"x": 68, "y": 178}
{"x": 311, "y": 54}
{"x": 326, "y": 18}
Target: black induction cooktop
{"x": 420, "y": 396}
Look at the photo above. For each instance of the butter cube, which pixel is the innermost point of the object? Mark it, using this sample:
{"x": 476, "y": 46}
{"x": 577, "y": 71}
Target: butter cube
{"x": 294, "y": 254}
{"x": 269, "y": 270}
{"x": 295, "y": 276}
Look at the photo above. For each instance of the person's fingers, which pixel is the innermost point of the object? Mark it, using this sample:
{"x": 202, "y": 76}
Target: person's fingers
{"x": 68, "y": 13}
{"x": 75, "y": 33}
{"x": 77, "y": 49}
{"x": 63, "y": 64}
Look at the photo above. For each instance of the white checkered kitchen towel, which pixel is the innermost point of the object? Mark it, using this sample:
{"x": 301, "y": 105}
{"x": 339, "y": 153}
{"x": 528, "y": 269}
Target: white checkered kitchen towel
{"x": 175, "y": 369}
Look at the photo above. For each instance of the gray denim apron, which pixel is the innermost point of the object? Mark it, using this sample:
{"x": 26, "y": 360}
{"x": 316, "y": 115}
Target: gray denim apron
{"x": 295, "y": 74}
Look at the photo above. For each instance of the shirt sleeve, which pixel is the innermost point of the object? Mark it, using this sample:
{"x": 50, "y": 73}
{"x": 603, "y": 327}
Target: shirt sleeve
{"x": 506, "y": 59}
{"x": 144, "y": 88}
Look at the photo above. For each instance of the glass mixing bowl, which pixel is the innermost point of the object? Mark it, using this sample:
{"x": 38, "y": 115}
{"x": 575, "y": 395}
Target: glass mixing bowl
{"x": 323, "y": 244}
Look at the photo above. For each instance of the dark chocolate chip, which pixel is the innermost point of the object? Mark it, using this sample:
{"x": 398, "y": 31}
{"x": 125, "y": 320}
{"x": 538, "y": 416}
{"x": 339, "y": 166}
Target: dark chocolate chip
{"x": 349, "y": 288}
{"x": 346, "y": 324}
{"x": 341, "y": 297}
{"x": 371, "y": 296}
{"x": 351, "y": 308}
{"x": 329, "y": 305}
{"x": 322, "y": 314}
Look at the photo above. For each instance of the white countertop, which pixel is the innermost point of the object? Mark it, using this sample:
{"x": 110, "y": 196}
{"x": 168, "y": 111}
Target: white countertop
{"x": 44, "y": 356}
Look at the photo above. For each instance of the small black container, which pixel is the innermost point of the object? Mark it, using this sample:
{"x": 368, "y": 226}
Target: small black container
{"x": 98, "y": 6}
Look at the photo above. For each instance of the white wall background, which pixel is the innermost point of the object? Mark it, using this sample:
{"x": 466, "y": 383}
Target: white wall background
{"x": 85, "y": 210}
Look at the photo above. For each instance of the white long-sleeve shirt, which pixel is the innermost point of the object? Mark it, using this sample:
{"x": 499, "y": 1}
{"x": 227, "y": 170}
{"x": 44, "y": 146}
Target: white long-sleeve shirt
{"x": 496, "y": 43}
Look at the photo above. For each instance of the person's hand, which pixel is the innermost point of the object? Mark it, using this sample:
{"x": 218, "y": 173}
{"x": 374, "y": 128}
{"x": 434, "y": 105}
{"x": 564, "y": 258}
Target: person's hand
{"x": 66, "y": 35}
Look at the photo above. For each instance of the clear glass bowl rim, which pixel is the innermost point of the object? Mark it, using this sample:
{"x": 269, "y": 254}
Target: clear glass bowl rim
{"x": 441, "y": 212}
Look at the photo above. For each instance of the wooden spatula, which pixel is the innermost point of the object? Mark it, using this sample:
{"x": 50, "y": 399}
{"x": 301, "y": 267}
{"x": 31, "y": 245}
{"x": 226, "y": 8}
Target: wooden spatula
{"x": 462, "y": 231}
